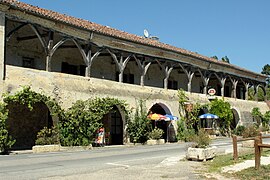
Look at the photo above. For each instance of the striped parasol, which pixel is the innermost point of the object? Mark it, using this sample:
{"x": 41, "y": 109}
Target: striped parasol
{"x": 208, "y": 116}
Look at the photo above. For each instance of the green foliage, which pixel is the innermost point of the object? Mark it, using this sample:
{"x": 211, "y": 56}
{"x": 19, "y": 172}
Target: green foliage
{"x": 184, "y": 134}
{"x": 225, "y": 59}
{"x": 214, "y": 57}
{"x": 139, "y": 126}
{"x": 192, "y": 117}
{"x": 223, "y": 110}
{"x": 29, "y": 97}
{"x": 266, "y": 71}
{"x": 266, "y": 118}
{"x": 260, "y": 94}
{"x": 84, "y": 118}
{"x": 250, "y": 131}
{"x": 6, "y": 140}
{"x": 202, "y": 139}
{"x": 257, "y": 115}
{"x": 47, "y": 136}
{"x": 156, "y": 133}
{"x": 182, "y": 99}
{"x": 239, "y": 130}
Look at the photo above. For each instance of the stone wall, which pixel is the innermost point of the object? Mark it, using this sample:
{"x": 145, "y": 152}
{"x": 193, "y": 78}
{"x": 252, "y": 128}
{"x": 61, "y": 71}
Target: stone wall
{"x": 69, "y": 88}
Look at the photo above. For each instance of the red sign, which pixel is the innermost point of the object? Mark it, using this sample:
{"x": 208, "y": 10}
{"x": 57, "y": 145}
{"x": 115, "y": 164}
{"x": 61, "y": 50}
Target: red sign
{"x": 212, "y": 91}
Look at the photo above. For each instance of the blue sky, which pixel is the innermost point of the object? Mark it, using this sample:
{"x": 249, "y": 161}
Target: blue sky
{"x": 239, "y": 29}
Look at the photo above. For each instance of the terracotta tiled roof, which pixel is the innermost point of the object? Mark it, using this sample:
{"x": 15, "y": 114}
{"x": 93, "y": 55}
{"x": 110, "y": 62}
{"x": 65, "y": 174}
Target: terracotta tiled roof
{"x": 81, "y": 23}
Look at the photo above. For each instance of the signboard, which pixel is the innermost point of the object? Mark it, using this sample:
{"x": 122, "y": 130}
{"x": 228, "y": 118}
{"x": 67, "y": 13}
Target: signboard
{"x": 211, "y": 91}
{"x": 100, "y": 137}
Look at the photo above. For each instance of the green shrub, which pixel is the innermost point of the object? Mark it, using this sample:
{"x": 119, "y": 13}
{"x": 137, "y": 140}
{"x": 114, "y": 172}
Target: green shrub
{"x": 155, "y": 133}
{"x": 239, "y": 130}
{"x": 83, "y": 119}
{"x": 201, "y": 140}
{"x": 223, "y": 110}
{"x": 250, "y": 131}
{"x": 266, "y": 118}
{"x": 6, "y": 140}
{"x": 139, "y": 126}
{"x": 184, "y": 134}
{"x": 47, "y": 136}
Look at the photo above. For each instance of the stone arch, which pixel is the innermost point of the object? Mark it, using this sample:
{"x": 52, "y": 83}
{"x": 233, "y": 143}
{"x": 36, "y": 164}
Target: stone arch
{"x": 26, "y": 118}
{"x": 166, "y": 126}
{"x": 24, "y": 124}
{"x": 236, "y": 118}
{"x": 160, "y": 108}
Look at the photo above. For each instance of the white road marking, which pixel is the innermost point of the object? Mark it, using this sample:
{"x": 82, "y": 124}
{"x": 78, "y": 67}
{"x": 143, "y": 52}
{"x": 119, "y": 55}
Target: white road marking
{"x": 115, "y": 164}
{"x": 170, "y": 161}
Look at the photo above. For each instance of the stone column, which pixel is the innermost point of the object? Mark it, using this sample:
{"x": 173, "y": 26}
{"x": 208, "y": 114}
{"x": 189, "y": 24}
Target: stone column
{"x": 2, "y": 45}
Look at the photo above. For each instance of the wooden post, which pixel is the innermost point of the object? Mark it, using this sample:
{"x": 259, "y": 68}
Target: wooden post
{"x": 235, "y": 153}
{"x": 257, "y": 153}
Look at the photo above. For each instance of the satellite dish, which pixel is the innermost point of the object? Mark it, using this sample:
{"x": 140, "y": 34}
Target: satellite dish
{"x": 145, "y": 33}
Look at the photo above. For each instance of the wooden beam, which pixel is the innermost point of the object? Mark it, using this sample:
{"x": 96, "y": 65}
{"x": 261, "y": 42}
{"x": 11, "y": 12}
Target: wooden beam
{"x": 25, "y": 38}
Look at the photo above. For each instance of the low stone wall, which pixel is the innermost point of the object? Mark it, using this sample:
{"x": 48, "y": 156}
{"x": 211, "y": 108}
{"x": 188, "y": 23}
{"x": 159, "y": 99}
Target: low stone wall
{"x": 155, "y": 142}
{"x": 45, "y": 148}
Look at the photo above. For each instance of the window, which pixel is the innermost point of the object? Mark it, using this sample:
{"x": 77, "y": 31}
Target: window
{"x": 127, "y": 78}
{"x": 172, "y": 84}
{"x": 28, "y": 62}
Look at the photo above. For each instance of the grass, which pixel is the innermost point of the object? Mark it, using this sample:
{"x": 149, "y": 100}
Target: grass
{"x": 216, "y": 165}
{"x": 252, "y": 174}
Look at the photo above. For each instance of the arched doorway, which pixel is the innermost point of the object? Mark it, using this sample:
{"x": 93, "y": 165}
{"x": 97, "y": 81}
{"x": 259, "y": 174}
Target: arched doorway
{"x": 113, "y": 124}
{"x": 235, "y": 120}
{"x": 23, "y": 124}
{"x": 166, "y": 126}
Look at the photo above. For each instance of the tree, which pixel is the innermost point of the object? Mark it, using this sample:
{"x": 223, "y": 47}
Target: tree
{"x": 266, "y": 71}
{"x": 223, "y": 110}
{"x": 214, "y": 57}
{"x": 225, "y": 59}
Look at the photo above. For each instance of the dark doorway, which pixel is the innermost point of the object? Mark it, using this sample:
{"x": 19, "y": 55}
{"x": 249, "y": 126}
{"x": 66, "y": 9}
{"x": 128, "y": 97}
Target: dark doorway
{"x": 161, "y": 124}
{"x": 235, "y": 119}
{"x": 23, "y": 124}
{"x": 113, "y": 125}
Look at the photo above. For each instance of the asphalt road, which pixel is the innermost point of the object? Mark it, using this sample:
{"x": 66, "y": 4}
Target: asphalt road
{"x": 113, "y": 162}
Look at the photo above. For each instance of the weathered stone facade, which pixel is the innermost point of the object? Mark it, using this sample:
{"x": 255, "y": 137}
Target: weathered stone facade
{"x": 42, "y": 48}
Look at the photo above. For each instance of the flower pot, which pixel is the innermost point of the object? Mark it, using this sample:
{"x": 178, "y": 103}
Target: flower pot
{"x": 200, "y": 154}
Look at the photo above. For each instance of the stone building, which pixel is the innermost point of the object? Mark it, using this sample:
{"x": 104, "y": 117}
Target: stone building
{"x": 70, "y": 59}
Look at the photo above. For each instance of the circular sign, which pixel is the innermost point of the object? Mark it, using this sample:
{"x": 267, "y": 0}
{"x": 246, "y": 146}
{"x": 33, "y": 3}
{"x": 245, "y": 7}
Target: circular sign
{"x": 211, "y": 91}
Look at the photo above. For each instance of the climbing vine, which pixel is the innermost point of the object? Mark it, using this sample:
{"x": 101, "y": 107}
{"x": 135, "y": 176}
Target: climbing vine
{"x": 6, "y": 141}
{"x": 76, "y": 126}
{"x": 84, "y": 118}
{"x": 29, "y": 98}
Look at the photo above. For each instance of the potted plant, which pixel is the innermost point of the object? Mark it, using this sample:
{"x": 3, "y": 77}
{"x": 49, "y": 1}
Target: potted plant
{"x": 201, "y": 150}
{"x": 155, "y": 137}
